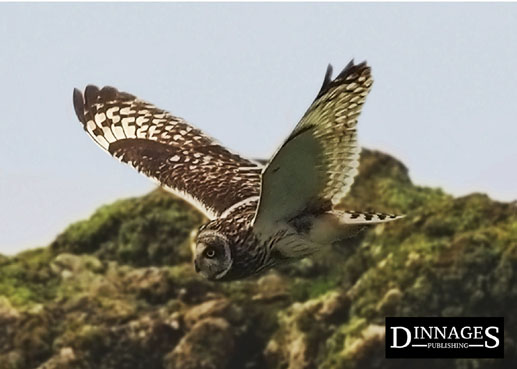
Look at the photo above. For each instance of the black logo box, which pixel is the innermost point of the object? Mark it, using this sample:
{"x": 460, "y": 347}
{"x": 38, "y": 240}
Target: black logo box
{"x": 452, "y": 347}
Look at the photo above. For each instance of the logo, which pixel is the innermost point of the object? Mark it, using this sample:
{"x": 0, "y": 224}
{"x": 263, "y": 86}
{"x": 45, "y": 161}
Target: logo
{"x": 436, "y": 337}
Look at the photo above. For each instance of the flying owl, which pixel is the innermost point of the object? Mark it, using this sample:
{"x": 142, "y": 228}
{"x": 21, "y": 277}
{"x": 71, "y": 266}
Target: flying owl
{"x": 260, "y": 215}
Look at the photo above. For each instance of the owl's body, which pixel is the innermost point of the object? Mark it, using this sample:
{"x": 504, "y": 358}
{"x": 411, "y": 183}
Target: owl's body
{"x": 257, "y": 252}
{"x": 260, "y": 215}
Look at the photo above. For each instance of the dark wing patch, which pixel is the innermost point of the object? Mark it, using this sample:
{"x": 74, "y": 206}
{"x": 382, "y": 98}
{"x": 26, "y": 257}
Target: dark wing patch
{"x": 168, "y": 149}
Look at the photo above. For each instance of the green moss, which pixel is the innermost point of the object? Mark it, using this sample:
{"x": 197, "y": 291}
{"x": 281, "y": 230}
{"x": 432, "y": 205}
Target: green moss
{"x": 303, "y": 289}
{"x": 26, "y": 279}
{"x": 152, "y": 230}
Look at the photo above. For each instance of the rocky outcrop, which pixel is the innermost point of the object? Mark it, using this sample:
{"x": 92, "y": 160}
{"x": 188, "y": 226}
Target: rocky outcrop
{"x": 118, "y": 290}
{"x": 209, "y": 344}
{"x": 303, "y": 327}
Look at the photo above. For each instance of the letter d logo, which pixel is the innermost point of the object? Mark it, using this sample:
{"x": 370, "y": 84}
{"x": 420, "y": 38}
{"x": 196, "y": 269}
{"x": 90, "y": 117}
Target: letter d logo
{"x": 395, "y": 337}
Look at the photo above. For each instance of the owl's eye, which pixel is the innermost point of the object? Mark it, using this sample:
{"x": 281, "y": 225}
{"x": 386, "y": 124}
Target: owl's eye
{"x": 210, "y": 253}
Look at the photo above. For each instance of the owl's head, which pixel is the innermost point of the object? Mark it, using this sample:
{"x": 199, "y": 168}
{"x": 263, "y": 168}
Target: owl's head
{"x": 212, "y": 256}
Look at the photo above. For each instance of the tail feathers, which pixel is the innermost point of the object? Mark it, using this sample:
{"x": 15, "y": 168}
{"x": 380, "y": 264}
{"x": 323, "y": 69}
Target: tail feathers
{"x": 337, "y": 225}
{"x": 363, "y": 217}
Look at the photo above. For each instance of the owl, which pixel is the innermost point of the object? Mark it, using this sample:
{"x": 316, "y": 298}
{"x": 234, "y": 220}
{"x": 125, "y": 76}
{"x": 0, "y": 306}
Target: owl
{"x": 260, "y": 215}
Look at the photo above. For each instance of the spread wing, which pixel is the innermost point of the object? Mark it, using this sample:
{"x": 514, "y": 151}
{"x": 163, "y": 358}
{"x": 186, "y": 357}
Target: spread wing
{"x": 316, "y": 165}
{"x": 166, "y": 148}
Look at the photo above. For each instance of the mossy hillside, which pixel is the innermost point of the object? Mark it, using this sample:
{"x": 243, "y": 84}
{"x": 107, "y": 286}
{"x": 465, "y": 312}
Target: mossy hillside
{"x": 118, "y": 290}
{"x": 26, "y": 279}
{"x": 151, "y": 230}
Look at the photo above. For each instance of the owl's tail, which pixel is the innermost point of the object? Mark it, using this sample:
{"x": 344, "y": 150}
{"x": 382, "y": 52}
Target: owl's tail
{"x": 341, "y": 224}
{"x": 363, "y": 217}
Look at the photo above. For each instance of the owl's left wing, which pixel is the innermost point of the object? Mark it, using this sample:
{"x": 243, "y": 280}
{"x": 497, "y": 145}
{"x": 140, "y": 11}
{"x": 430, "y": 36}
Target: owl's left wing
{"x": 316, "y": 165}
{"x": 166, "y": 148}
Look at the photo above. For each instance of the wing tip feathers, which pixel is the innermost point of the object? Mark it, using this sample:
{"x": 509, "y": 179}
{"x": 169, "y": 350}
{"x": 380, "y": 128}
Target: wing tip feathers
{"x": 91, "y": 93}
{"x": 348, "y": 70}
{"x": 83, "y": 101}
{"x": 328, "y": 78}
{"x": 79, "y": 105}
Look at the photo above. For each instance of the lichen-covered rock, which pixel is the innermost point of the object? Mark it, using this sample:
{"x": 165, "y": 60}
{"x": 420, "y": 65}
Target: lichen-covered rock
{"x": 73, "y": 264}
{"x": 208, "y": 345}
{"x": 7, "y": 311}
{"x": 222, "y": 308}
{"x": 369, "y": 346}
{"x": 389, "y": 301}
{"x": 152, "y": 284}
{"x": 118, "y": 291}
{"x": 64, "y": 359}
{"x": 304, "y": 327}
{"x": 272, "y": 286}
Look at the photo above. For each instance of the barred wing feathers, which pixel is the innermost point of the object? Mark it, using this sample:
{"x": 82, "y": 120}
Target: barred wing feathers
{"x": 166, "y": 148}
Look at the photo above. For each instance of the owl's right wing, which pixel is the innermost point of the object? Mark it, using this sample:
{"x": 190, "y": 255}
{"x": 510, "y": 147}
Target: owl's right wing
{"x": 166, "y": 148}
{"x": 315, "y": 167}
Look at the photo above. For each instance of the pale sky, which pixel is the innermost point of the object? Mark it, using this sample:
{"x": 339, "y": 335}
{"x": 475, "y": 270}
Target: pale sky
{"x": 444, "y": 99}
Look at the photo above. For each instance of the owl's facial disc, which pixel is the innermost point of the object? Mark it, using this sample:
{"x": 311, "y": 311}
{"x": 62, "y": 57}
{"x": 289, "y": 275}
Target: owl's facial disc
{"x": 213, "y": 257}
